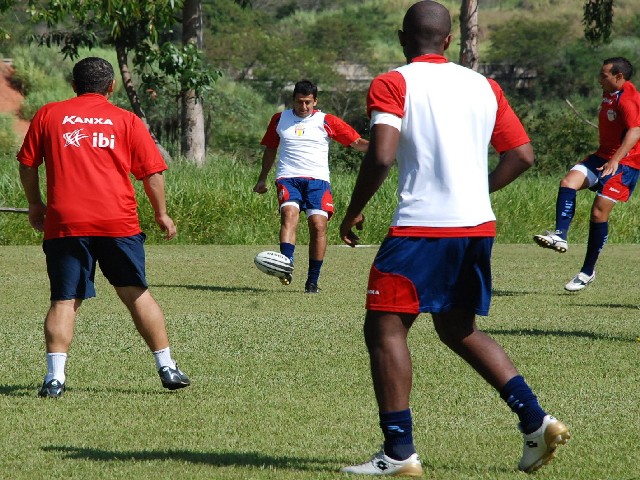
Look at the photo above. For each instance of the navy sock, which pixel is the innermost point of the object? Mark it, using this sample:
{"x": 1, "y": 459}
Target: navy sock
{"x": 397, "y": 428}
{"x": 523, "y": 402}
{"x": 314, "y": 271}
{"x": 287, "y": 250}
{"x": 565, "y": 210}
{"x": 598, "y": 235}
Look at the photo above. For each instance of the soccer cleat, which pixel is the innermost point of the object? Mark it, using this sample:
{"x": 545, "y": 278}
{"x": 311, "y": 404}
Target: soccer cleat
{"x": 380, "y": 465}
{"x": 311, "y": 287}
{"x": 579, "y": 282}
{"x": 173, "y": 378}
{"x": 51, "y": 389}
{"x": 540, "y": 446}
{"x": 553, "y": 241}
{"x": 287, "y": 279}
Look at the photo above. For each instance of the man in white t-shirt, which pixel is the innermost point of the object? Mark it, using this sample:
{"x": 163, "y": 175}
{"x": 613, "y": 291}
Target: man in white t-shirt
{"x": 303, "y": 135}
{"x": 438, "y": 119}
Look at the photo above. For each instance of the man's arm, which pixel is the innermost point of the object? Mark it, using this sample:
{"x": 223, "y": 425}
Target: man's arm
{"x": 374, "y": 169}
{"x": 31, "y": 185}
{"x": 512, "y": 164}
{"x": 268, "y": 159}
{"x": 628, "y": 142}
{"x": 154, "y": 188}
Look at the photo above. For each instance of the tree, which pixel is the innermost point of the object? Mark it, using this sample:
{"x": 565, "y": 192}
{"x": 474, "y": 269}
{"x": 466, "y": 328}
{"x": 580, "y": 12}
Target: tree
{"x": 469, "y": 34}
{"x": 193, "y": 137}
{"x": 597, "y": 20}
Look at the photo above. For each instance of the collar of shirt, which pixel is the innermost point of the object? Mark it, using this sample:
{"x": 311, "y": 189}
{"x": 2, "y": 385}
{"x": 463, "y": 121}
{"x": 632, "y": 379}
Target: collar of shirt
{"x": 431, "y": 58}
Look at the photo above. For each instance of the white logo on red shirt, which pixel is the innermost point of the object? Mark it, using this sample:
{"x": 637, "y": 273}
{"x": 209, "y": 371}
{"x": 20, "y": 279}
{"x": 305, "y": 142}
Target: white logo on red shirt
{"x": 73, "y": 138}
{"x": 73, "y": 119}
{"x": 611, "y": 115}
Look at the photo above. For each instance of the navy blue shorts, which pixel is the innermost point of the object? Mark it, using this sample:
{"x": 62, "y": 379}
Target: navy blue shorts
{"x": 617, "y": 187}
{"x": 71, "y": 264}
{"x": 309, "y": 193}
{"x": 420, "y": 275}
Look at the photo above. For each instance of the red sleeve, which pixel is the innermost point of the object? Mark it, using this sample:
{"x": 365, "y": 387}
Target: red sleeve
{"x": 508, "y": 132}
{"x": 629, "y": 105}
{"x": 271, "y": 138}
{"x": 145, "y": 156}
{"x": 32, "y": 151}
{"x": 339, "y": 130}
{"x": 387, "y": 93}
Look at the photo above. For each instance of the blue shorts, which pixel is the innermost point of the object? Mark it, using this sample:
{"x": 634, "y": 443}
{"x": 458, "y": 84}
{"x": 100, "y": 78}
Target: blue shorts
{"x": 310, "y": 194}
{"x": 419, "y": 275}
{"x": 617, "y": 187}
{"x": 71, "y": 264}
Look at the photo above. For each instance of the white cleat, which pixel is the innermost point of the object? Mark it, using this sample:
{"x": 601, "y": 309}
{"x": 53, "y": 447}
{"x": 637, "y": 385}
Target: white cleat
{"x": 579, "y": 282}
{"x": 380, "y": 465}
{"x": 552, "y": 241}
{"x": 540, "y": 446}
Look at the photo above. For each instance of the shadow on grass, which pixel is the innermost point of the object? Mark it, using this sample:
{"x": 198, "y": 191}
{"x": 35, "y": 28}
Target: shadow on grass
{"x": 534, "y": 332}
{"x": 213, "y": 288}
{"x": 18, "y": 390}
{"x": 224, "y": 459}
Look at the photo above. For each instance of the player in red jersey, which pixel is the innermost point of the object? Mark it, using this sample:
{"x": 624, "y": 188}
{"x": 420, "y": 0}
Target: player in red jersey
{"x": 438, "y": 119}
{"x": 612, "y": 171}
{"x": 89, "y": 148}
{"x": 302, "y": 135}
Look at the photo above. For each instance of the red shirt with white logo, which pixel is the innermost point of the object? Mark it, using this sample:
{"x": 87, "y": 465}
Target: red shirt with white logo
{"x": 89, "y": 148}
{"x": 619, "y": 112}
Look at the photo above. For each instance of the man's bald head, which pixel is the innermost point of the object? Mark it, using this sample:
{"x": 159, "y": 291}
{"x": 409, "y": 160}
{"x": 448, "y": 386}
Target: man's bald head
{"x": 426, "y": 28}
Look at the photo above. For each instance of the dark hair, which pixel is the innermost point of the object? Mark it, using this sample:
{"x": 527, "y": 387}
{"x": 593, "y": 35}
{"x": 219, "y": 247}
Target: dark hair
{"x": 92, "y": 75}
{"x": 305, "y": 87}
{"x": 620, "y": 65}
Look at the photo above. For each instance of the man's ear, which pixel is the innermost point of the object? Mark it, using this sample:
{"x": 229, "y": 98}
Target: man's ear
{"x": 113, "y": 84}
{"x": 73, "y": 85}
{"x": 448, "y": 40}
{"x": 401, "y": 38}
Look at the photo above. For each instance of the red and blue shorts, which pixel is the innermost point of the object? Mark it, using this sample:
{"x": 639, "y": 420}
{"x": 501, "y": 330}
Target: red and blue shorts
{"x": 419, "y": 275}
{"x": 71, "y": 264}
{"x": 617, "y": 187}
{"x": 309, "y": 194}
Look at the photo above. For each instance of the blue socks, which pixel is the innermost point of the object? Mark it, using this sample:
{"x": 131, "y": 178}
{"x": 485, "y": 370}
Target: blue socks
{"x": 314, "y": 271}
{"x": 524, "y": 403}
{"x": 565, "y": 210}
{"x": 287, "y": 250}
{"x": 397, "y": 428}
{"x": 598, "y": 235}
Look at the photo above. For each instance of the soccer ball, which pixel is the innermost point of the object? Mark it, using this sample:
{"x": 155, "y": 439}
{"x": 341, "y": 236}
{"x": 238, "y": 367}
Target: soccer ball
{"x": 273, "y": 263}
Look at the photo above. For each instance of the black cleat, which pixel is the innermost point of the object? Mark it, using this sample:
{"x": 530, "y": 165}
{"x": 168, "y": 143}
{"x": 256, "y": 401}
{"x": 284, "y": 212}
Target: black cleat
{"x": 310, "y": 287}
{"x": 173, "y": 378}
{"x": 51, "y": 389}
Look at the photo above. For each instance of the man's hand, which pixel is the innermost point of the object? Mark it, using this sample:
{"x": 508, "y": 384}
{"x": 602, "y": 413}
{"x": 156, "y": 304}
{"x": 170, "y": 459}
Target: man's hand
{"x": 346, "y": 229}
{"x": 608, "y": 168}
{"x": 166, "y": 224}
{"x": 261, "y": 187}
{"x": 37, "y": 212}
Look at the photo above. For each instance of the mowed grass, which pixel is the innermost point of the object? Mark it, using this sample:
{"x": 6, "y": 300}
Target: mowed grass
{"x": 281, "y": 386}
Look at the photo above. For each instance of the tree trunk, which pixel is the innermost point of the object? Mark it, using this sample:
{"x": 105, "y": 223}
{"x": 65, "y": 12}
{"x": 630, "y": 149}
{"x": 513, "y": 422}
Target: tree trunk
{"x": 192, "y": 118}
{"x": 134, "y": 100}
{"x": 469, "y": 34}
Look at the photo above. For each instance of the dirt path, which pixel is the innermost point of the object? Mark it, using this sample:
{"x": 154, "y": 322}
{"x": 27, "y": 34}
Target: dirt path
{"x": 11, "y": 100}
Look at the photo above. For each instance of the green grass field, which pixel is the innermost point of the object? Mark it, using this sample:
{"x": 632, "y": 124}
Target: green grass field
{"x": 281, "y": 387}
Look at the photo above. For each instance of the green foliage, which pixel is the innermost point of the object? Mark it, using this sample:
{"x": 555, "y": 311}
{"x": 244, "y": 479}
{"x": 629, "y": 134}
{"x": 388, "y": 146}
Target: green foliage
{"x": 559, "y": 137}
{"x": 598, "y": 20}
{"x": 8, "y": 137}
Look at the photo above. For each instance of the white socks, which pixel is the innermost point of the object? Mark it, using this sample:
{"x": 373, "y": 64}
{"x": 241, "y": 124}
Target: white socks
{"x": 55, "y": 367}
{"x": 163, "y": 358}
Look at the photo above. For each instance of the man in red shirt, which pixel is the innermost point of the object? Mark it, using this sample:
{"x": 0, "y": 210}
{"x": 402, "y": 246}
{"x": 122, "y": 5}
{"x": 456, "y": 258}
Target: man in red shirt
{"x": 612, "y": 171}
{"x": 89, "y": 148}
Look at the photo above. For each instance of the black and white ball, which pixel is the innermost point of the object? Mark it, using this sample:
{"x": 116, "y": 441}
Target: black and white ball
{"x": 273, "y": 263}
